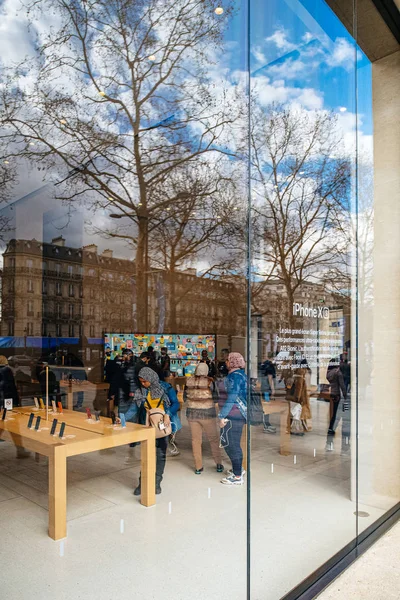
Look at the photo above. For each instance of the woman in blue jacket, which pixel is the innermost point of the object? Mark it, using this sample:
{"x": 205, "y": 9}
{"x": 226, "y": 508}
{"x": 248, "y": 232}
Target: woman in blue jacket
{"x": 233, "y": 416}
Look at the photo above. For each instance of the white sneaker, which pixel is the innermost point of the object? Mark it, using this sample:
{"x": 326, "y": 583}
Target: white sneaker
{"x": 230, "y": 473}
{"x": 173, "y": 449}
{"x": 269, "y": 429}
{"x": 232, "y": 480}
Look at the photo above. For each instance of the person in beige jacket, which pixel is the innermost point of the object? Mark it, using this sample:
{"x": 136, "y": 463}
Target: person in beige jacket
{"x": 201, "y": 416}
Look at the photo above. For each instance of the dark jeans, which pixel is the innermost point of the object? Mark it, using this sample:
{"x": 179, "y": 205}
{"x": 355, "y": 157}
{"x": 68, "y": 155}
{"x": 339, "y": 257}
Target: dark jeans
{"x": 336, "y": 402}
{"x": 161, "y": 457}
{"x": 233, "y": 434}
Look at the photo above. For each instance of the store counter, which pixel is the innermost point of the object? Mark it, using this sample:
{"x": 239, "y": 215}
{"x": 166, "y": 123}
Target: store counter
{"x": 80, "y": 436}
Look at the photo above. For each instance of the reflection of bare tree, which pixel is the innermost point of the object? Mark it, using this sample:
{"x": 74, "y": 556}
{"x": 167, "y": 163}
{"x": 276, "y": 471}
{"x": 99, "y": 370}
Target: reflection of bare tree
{"x": 121, "y": 98}
{"x": 300, "y": 182}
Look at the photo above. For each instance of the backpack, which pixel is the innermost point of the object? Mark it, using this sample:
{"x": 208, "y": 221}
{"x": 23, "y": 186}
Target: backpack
{"x": 155, "y": 418}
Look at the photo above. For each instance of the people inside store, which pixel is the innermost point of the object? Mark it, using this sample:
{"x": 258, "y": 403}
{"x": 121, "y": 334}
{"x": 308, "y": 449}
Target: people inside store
{"x": 8, "y": 389}
{"x": 337, "y": 384}
{"x": 345, "y": 369}
{"x": 298, "y": 396}
{"x": 267, "y": 381}
{"x": 151, "y": 394}
{"x": 212, "y": 371}
{"x": 233, "y": 416}
{"x": 222, "y": 368}
{"x": 201, "y": 416}
{"x": 165, "y": 363}
{"x": 143, "y": 361}
{"x": 154, "y": 363}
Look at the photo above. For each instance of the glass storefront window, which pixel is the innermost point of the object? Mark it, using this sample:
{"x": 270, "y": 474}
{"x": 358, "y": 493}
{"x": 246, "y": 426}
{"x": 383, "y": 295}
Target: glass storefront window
{"x": 192, "y": 225}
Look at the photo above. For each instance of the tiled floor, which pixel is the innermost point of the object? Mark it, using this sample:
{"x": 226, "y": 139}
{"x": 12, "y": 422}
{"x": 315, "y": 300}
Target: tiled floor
{"x": 301, "y": 514}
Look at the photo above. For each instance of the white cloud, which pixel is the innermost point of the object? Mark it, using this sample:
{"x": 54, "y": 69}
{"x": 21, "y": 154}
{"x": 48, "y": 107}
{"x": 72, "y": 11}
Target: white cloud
{"x": 280, "y": 40}
{"x": 342, "y": 55}
{"x": 268, "y": 90}
{"x": 307, "y": 37}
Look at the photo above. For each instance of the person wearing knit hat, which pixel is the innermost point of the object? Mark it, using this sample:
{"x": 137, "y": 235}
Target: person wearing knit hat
{"x": 201, "y": 416}
{"x": 233, "y": 416}
{"x": 152, "y": 394}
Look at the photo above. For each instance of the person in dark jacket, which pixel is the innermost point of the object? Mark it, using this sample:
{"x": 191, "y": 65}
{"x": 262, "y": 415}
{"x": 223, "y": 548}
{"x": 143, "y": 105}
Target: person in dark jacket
{"x": 8, "y": 389}
{"x": 143, "y": 361}
{"x": 165, "y": 363}
{"x": 335, "y": 377}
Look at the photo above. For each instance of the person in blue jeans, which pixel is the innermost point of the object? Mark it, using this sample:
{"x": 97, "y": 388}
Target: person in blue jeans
{"x": 233, "y": 416}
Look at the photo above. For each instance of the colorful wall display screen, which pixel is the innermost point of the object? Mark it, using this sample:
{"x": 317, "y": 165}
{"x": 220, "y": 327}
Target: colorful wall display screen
{"x": 184, "y": 350}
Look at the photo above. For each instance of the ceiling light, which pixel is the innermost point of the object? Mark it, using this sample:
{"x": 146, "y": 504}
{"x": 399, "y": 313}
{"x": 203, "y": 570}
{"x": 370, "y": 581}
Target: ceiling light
{"x": 31, "y": 143}
{"x": 63, "y": 122}
{"x": 152, "y": 57}
{"x": 169, "y": 208}
{"x": 219, "y": 10}
{"x": 102, "y": 93}
{"x": 139, "y": 204}
{"x": 6, "y": 162}
{"x": 110, "y": 198}
{"x": 342, "y": 109}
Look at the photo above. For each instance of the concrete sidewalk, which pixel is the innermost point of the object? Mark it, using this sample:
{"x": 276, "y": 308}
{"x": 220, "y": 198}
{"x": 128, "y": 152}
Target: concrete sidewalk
{"x": 374, "y": 576}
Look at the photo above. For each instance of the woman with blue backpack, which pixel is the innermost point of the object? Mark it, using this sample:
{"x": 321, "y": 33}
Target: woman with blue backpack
{"x": 233, "y": 417}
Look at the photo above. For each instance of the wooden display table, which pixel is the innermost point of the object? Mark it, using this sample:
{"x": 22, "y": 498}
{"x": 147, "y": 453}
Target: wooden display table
{"x": 80, "y": 437}
{"x": 72, "y": 388}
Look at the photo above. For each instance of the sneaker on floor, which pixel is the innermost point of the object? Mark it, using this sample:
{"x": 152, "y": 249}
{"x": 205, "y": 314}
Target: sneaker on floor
{"x": 232, "y": 480}
{"x": 173, "y": 450}
{"x": 137, "y": 491}
{"x": 329, "y": 447}
{"x": 269, "y": 429}
{"x": 230, "y": 473}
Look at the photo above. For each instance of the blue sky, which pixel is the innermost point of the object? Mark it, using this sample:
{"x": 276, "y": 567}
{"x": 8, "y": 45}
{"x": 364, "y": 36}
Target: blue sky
{"x": 303, "y": 45}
